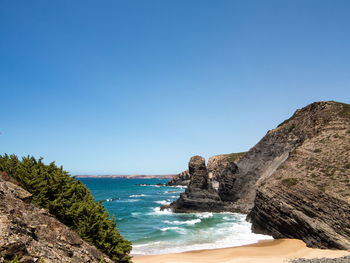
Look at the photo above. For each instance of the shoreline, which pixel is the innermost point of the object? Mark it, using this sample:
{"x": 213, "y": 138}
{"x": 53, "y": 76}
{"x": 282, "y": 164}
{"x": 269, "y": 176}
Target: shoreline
{"x": 265, "y": 251}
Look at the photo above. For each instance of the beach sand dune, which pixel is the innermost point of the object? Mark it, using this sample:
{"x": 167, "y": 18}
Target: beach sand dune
{"x": 274, "y": 251}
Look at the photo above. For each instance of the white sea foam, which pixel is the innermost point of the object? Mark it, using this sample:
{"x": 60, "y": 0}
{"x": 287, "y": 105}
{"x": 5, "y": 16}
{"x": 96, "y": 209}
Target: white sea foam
{"x": 178, "y": 186}
{"x": 148, "y": 244}
{"x": 128, "y": 200}
{"x": 154, "y": 185}
{"x": 137, "y": 195}
{"x": 163, "y": 202}
{"x": 172, "y": 192}
{"x": 135, "y": 214}
{"x": 188, "y": 222}
{"x": 169, "y": 228}
{"x": 204, "y": 215}
{"x": 224, "y": 234}
{"x": 227, "y": 218}
{"x": 157, "y": 211}
{"x": 111, "y": 199}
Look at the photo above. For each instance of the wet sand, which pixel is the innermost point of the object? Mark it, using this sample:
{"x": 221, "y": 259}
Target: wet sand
{"x": 272, "y": 251}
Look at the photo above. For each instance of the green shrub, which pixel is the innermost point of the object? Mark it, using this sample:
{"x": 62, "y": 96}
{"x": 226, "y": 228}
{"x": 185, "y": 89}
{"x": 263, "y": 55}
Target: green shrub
{"x": 290, "y": 181}
{"x": 291, "y": 127}
{"x": 317, "y": 150}
{"x": 235, "y": 156}
{"x": 70, "y": 202}
{"x": 322, "y": 188}
{"x": 345, "y": 110}
{"x": 286, "y": 121}
{"x": 15, "y": 260}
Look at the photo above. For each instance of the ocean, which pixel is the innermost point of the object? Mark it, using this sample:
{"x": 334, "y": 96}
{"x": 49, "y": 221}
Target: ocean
{"x": 135, "y": 203}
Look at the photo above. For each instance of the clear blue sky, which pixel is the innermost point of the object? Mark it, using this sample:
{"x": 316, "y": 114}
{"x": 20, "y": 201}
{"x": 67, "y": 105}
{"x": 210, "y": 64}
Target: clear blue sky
{"x": 126, "y": 86}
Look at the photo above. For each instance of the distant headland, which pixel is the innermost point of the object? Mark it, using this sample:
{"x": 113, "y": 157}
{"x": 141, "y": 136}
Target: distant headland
{"x": 132, "y": 176}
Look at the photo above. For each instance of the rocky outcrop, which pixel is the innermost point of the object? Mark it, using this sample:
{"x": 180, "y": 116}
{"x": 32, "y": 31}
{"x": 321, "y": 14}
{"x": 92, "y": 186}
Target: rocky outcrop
{"x": 345, "y": 259}
{"x": 33, "y": 235}
{"x": 294, "y": 182}
{"x": 222, "y": 175}
{"x": 261, "y": 161}
{"x": 181, "y": 179}
{"x": 308, "y": 197}
{"x": 208, "y": 187}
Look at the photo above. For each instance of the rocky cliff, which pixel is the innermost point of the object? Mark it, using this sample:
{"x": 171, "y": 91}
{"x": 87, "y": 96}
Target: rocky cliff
{"x": 294, "y": 181}
{"x": 308, "y": 196}
{"x": 33, "y": 235}
{"x": 209, "y": 187}
{"x": 274, "y": 149}
{"x": 181, "y": 179}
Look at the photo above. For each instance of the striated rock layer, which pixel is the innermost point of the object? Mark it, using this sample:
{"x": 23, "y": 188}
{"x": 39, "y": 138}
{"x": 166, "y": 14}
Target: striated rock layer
{"x": 208, "y": 188}
{"x": 274, "y": 149}
{"x": 294, "y": 182}
{"x": 181, "y": 179}
{"x": 33, "y": 235}
{"x": 308, "y": 197}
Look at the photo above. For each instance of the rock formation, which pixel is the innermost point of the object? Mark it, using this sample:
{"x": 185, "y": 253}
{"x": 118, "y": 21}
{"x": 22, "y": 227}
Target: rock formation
{"x": 181, "y": 179}
{"x": 294, "y": 182}
{"x": 222, "y": 172}
{"x": 33, "y": 235}
{"x": 209, "y": 186}
{"x": 274, "y": 148}
{"x": 308, "y": 197}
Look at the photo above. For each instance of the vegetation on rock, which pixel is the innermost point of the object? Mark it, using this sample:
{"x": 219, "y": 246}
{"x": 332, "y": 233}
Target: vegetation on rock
{"x": 69, "y": 201}
{"x": 345, "y": 110}
{"x": 233, "y": 157}
{"x": 314, "y": 203}
{"x": 290, "y": 181}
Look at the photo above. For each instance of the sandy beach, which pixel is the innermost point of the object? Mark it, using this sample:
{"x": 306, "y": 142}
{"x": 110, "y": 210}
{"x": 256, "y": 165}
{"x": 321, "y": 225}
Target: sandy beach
{"x": 274, "y": 251}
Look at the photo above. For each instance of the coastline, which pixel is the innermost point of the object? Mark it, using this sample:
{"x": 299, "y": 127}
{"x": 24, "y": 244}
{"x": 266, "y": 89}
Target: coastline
{"x": 265, "y": 251}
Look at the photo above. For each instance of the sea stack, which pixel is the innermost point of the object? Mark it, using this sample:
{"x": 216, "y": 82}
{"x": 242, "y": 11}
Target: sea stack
{"x": 207, "y": 190}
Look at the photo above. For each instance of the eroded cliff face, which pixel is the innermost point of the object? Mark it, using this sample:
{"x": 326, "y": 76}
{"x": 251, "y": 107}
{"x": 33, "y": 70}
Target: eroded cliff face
{"x": 295, "y": 183}
{"x": 222, "y": 175}
{"x": 274, "y": 148}
{"x": 181, "y": 179}
{"x": 208, "y": 188}
{"x": 236, "y": 188}
{"x": 33, "y": 235}
{"x": 308, "y": 197}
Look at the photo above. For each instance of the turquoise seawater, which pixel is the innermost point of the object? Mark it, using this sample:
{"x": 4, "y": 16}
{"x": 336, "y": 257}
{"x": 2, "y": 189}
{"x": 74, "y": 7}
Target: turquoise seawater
{"x": 135, "y": 203}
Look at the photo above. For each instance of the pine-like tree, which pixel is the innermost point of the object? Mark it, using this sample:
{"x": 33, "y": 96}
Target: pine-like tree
{"x": 70, "y": 202}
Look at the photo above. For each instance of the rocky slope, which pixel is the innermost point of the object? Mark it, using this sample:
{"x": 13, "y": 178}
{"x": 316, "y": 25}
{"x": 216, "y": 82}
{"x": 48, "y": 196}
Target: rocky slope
{"x": 274, "y": 148}
{"x": 308, "y": 197}
{"x": 33, "y": 235}
{"x": 181, "y": 179}
{"x": 294, "y": 182}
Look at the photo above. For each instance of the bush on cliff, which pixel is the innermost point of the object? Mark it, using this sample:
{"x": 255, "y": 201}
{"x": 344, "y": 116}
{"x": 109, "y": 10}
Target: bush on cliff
{"x": 69, "y": 201}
